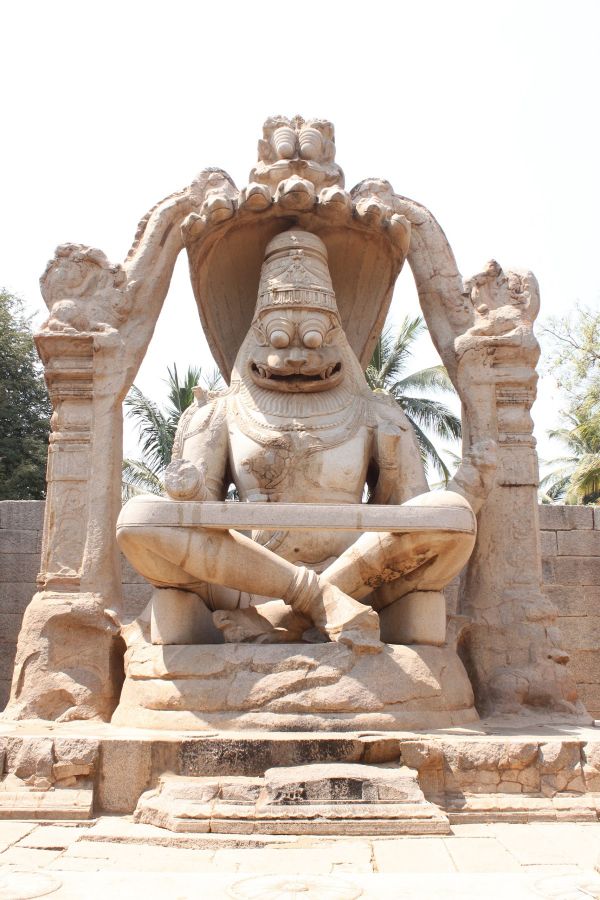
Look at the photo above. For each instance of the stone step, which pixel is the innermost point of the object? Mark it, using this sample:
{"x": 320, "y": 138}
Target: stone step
{"x": 58, "y": 803}
{"x": 328, "y": 798}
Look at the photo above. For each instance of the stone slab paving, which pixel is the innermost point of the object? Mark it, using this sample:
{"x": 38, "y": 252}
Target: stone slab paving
{"x": 114, "y": 854}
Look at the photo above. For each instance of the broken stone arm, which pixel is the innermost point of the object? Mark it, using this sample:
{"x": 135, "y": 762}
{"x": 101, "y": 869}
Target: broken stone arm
{"x": 150, "y": 262}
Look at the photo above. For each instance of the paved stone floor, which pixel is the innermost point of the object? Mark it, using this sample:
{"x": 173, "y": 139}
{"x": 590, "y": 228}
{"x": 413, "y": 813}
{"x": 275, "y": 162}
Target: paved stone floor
{"x": 114, "y": 856}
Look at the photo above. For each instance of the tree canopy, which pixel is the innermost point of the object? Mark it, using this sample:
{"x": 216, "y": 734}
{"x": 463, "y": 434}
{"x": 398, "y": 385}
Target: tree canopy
{"x": 157, "y": 427}
{"x": 412, "y": 391}
{"x": 573, "y": 353}
{"x": 574, "y": 361}
{"x": 24, "y": 407}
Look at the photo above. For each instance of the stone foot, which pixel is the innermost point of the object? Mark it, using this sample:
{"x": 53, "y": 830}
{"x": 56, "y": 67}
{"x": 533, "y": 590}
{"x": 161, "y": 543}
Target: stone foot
{"x": 269, "y": 623}
{"x": 347, "y": 621}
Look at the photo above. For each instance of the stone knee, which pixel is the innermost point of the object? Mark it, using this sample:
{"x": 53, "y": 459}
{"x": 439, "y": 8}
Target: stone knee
{"x": 138, "y": 545}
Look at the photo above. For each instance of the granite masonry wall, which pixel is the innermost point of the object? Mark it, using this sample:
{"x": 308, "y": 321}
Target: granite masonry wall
{"x": 570, "y": 538}
{"x": 571, "y": 569}
{"x": 21, "y": 523}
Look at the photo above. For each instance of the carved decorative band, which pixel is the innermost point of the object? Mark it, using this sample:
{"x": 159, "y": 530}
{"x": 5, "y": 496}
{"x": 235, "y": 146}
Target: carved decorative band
{"x": 515, "y": 396}
{"x": 298, "y": 297}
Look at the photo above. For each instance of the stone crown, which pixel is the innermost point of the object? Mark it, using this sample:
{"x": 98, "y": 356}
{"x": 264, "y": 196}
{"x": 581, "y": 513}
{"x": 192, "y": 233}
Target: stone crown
{"x": 295, "y": 273}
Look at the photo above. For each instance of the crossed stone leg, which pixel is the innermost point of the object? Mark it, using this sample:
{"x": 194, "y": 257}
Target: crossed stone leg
{"x": 191, "y": 558}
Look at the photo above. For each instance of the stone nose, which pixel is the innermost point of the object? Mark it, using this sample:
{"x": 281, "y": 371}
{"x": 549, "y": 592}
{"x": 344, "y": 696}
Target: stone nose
{"x": 295, "y": 358}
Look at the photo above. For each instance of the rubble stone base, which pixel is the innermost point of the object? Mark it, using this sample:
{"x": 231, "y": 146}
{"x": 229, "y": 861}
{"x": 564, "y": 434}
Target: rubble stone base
{"x": 489, "y": 772}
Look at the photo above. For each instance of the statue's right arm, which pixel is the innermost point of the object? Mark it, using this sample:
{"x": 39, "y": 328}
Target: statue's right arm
{"x": 201, "y": 440}
{"x": 396, "y": 452}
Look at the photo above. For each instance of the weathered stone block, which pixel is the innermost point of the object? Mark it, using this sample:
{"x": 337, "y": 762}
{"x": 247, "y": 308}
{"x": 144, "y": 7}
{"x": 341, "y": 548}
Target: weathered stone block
{"x": 585, "y": 667}
{"x": 559, "y": 756}
{"x": 564, "y": 518}
{"x": 135, "y": 598}
{"x": 581, "y": 633}
{"x": 578, "y": 543}
{"x": 571, "y": 570}
{"x": 22, "y": 567}
{"x": 10, "y": 624}
{"x": 126, "y": 768}
{"x": 548, "y": 542}
{"x": 13, "y": 541}
{"x": 574, "y": 600}
{"x": 75, "y": 757}
{"x": 589, "y": 695}
{"x": 30, "y": 758}
{"x": 7, "y": 658}
{"x": 14, "y": 595}
{"x": 26, "y": 514}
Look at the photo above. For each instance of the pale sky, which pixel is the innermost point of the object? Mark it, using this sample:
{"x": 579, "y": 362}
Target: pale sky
{"x": 486, "y": 112}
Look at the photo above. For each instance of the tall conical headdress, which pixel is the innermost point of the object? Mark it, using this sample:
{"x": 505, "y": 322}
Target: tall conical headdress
{"x": 295, "y": 273}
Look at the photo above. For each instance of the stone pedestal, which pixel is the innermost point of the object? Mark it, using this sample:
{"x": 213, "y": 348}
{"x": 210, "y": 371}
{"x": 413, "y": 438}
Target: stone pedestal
{"x": 301, "y": 687}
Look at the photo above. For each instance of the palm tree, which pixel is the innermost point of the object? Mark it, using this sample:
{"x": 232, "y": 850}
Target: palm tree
{"x": 385, "y": 373}
{"x": 157, "y": 429}
{"x": 576, "y": 477}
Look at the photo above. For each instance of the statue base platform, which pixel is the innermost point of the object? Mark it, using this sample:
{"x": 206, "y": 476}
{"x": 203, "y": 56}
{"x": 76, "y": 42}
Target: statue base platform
{"x": 295, "y": 687}
{"x": 529, "y": 768}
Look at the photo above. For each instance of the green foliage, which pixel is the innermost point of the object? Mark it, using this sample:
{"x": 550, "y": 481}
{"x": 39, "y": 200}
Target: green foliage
{"x": 386, "y": 372}
{"x": 573, "y": 353}
{"x": 573, "y": 359}
{"x": 575, "y": 478}
{"x": 24, "y": 407}
{"x": 157, "y": 429}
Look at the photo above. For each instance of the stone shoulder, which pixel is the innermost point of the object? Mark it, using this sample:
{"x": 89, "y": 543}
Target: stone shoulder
{"x": 197, "y": 419}
{"x": 386, "y": 412}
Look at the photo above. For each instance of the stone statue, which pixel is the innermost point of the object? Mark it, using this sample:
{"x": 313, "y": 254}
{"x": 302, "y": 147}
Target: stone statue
{"x": 298, "y": 424}
{"x": 302, "y": 607}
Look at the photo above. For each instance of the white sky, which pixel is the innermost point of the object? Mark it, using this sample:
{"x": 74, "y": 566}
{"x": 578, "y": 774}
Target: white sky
{"x": 486, "y": 112}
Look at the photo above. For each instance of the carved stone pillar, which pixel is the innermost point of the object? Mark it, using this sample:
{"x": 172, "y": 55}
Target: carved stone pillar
{"x": 68, "y": 662}
{"x": 483, "y": 330}
{"x": 512, "y": 649}
{"x": 66, "y": 638}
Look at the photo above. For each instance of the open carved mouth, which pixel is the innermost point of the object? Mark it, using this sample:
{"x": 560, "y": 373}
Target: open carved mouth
{"x": 296, "y": 380}
{"x": 265, "y": 372}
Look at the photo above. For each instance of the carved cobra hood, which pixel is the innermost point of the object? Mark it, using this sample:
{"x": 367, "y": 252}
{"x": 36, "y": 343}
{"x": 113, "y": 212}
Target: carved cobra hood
{"x": 295, "y": 184}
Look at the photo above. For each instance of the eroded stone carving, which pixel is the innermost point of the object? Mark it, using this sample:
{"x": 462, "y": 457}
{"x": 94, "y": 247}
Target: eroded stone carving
{"x": 101, "y": 318}
{"x": 84, "y": 291}
{"x": 299, "y": 425}
{"x": 295, "y": 148}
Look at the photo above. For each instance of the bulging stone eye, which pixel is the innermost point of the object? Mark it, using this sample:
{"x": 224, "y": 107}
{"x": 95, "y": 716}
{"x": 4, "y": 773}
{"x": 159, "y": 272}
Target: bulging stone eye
{"x": 279, "y": 339}
{"x": 312, "y": 339}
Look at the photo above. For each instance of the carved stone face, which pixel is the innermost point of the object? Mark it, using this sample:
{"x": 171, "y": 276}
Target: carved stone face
{"x": 296, "y": 350}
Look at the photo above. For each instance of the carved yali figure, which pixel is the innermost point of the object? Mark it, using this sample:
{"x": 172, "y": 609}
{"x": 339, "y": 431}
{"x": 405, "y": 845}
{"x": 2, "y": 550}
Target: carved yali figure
{"x": 299, "y": 425}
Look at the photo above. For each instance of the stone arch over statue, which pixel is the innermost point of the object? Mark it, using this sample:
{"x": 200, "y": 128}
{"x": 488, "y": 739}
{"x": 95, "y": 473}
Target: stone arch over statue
{"x": 101, "y": 320}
